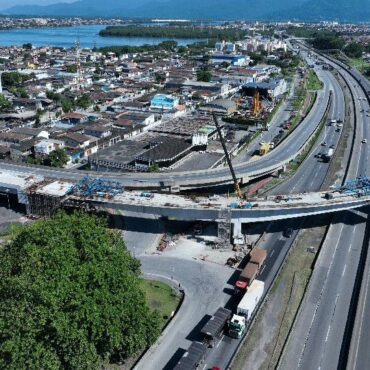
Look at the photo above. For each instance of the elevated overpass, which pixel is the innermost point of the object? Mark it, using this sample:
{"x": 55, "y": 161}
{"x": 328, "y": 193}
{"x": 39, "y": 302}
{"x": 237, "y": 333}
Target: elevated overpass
{"x": 274, "y": 161}
{"x": 42, "y": 196}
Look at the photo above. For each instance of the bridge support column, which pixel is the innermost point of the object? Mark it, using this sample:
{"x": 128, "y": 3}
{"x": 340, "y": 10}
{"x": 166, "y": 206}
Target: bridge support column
{"x": 237, "y": 235}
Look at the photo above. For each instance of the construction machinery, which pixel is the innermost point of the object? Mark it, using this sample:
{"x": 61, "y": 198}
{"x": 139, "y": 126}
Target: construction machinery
{"x": 256, "y": 104}
{"x": 235, "y": 180}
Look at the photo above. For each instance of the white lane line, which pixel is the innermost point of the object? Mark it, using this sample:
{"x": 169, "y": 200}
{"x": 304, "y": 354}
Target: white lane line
{"x": 272, "y": 253}
{"x": 219, "y": 342}
{"x": 344, "y": 270}
{"x": 327, "y": 334}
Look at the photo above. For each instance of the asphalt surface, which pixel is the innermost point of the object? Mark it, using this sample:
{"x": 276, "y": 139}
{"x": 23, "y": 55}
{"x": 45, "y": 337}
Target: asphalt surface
{"x": 316, "y": 340}
{"x": 274, "y": 242}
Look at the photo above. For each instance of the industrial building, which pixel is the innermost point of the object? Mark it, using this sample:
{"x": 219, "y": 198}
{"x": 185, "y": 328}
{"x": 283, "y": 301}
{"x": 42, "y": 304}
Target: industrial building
{"x": 272, "y": 89}
{"x": 224, "y": 107}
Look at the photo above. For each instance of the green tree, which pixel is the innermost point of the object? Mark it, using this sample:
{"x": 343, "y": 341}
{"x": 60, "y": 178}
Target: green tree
{"x": 204, "y": 75}
{"x": 154, "y": 168}
{"x": 72, "y": 68}
{"x": 70, "y": 297}
{"x": 4, "y": 103}
{"x": 354, "y": 50}
{"x": 84, "y": 101}
{"x": 57, "y": 158}
{"x": 327, "y": 41}
{"x": 67, "y": 105}
{"x": 15, "y": 79}
{"x": 27, "y": 46}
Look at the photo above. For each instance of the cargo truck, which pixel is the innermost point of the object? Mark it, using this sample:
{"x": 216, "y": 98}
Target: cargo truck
{"x": 251, "y": 299}
{"x": 257, "y": 258}
{"x": 193, "y": 358}
{"x": 328, "y": 155}
{"x": 214, "y": 328}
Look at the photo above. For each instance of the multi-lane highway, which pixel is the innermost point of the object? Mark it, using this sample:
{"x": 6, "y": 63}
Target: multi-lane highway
{"x": 316, "y": 341}
{"x": 276, "y": 245}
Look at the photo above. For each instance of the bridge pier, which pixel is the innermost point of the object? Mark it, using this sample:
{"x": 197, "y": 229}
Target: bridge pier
{"x": 237, "y": 235}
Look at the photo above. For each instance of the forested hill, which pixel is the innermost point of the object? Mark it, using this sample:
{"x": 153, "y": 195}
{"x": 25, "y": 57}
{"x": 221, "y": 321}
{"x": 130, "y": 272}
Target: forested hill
{"x": 342, "y": 10}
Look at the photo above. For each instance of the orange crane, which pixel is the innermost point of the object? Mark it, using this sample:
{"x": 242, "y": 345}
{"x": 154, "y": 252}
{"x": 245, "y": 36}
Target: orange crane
{"x": 256, "y": 104}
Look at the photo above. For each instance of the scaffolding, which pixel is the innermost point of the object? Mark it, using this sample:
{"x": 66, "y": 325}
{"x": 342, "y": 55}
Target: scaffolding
{"x": 90, "y": 187}
{"x": 359, "y": 187}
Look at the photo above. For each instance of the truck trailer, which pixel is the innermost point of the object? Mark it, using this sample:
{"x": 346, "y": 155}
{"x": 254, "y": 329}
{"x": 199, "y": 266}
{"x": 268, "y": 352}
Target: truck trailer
{"x": 246, "y": 278}
{"x": 257, "y": 258}
{"x": 193, "y": 357}
{"x": 251, "y": 299}
{"x": 214, "y": 328}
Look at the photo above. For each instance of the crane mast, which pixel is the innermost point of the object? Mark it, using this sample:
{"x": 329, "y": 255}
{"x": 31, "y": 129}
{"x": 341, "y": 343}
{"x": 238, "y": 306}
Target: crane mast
{"x": 235, "y": 180}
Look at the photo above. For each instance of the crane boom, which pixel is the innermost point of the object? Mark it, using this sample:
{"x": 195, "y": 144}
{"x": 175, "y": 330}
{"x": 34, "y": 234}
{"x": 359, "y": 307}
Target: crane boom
{"x": 236, "y": 181}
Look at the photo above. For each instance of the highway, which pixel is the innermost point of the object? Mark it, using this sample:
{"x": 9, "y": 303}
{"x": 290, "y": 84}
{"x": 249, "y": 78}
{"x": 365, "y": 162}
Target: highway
{"x": 309, "y": 177}
{"x": 316, "y": 341}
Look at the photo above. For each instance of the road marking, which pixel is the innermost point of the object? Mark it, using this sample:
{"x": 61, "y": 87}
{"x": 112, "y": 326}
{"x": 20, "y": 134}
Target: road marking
{"x": 327, "y": 333}
{"x": 272, "y": 253}
{"x": 219, "y": 342}
{"x": 344, "y": 270}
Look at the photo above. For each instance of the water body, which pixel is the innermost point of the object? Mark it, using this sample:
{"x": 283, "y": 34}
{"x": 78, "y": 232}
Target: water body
{"x": 66, "y": 37}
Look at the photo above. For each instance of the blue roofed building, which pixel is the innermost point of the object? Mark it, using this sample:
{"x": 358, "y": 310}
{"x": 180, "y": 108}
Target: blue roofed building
{"x": 164, "y": 102}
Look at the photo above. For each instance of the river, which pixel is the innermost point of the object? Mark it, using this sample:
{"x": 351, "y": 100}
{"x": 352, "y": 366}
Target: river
{"x": 66, "y": 37}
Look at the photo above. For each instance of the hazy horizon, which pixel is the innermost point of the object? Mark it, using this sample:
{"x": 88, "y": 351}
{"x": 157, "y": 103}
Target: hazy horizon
{"x": 4, "y": 4}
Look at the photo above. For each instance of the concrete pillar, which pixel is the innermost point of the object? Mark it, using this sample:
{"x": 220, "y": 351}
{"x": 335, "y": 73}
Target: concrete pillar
{"x": 238, "y": 237}
{"x": 1, "y": 83}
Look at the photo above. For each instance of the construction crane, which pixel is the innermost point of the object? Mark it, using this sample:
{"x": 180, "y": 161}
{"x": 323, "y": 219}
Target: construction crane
{"x": 236, "y": 181}
{"x": 256, "y": 104}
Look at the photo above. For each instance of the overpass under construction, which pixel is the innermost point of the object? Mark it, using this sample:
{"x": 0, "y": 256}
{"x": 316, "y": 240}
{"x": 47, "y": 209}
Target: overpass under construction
{"x": 42, "y": 197}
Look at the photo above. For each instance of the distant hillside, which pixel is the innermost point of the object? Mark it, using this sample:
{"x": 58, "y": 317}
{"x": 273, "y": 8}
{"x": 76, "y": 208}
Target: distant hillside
{"x": 341, "y": 10}
{"x": 352, "y": 10}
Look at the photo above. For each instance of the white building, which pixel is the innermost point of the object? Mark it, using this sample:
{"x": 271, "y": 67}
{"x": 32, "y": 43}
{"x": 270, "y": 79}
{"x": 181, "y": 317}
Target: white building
{"x": 45, "y": 147}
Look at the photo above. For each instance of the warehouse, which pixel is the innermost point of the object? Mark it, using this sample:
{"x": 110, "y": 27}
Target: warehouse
{"x": 224, "y": 107}
{"x": 164, "y": 151}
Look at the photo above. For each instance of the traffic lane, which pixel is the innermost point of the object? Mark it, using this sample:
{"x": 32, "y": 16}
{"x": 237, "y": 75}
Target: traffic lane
{"x": 343, "y": 298}
{"x": 322, "y": 347}
{"x": 204, "y": 293}
{"x": 224, "y": 350}
{"x": 361, "y": 336}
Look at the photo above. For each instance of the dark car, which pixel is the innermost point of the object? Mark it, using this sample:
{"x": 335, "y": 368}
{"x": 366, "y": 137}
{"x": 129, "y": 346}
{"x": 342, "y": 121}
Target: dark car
{"x": 288, "y": 232}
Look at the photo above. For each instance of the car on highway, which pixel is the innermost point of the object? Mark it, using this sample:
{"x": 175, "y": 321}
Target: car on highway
{"x": 288, "y": 232}
{"x": 324, "y": 143}
{"x": 364, "y": 141}
{"x": 332, "y": 146}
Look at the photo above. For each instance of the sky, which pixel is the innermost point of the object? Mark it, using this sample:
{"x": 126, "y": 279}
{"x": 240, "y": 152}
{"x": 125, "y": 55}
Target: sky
{"x": 9, "y": 3}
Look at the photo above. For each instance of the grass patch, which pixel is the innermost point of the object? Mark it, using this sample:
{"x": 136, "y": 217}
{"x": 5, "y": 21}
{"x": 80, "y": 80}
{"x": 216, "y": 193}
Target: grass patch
{"x": 290, "y": 286}
{"x": 313, "y": 82}
{"x": 161, "y": 298}
{"x": 360, "y": 64}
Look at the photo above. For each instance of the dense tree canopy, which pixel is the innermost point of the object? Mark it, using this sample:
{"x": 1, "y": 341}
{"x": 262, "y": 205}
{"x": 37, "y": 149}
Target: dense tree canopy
{"x": 328, "y": 41}
{"x": 4, "y": 103}
{"x": 231, "y": 34}
{"x": 57, "y": 158}
{"x": 70, "y": 297}
{"x": 354, "y": 50}
{"x": 204, "y": 75}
